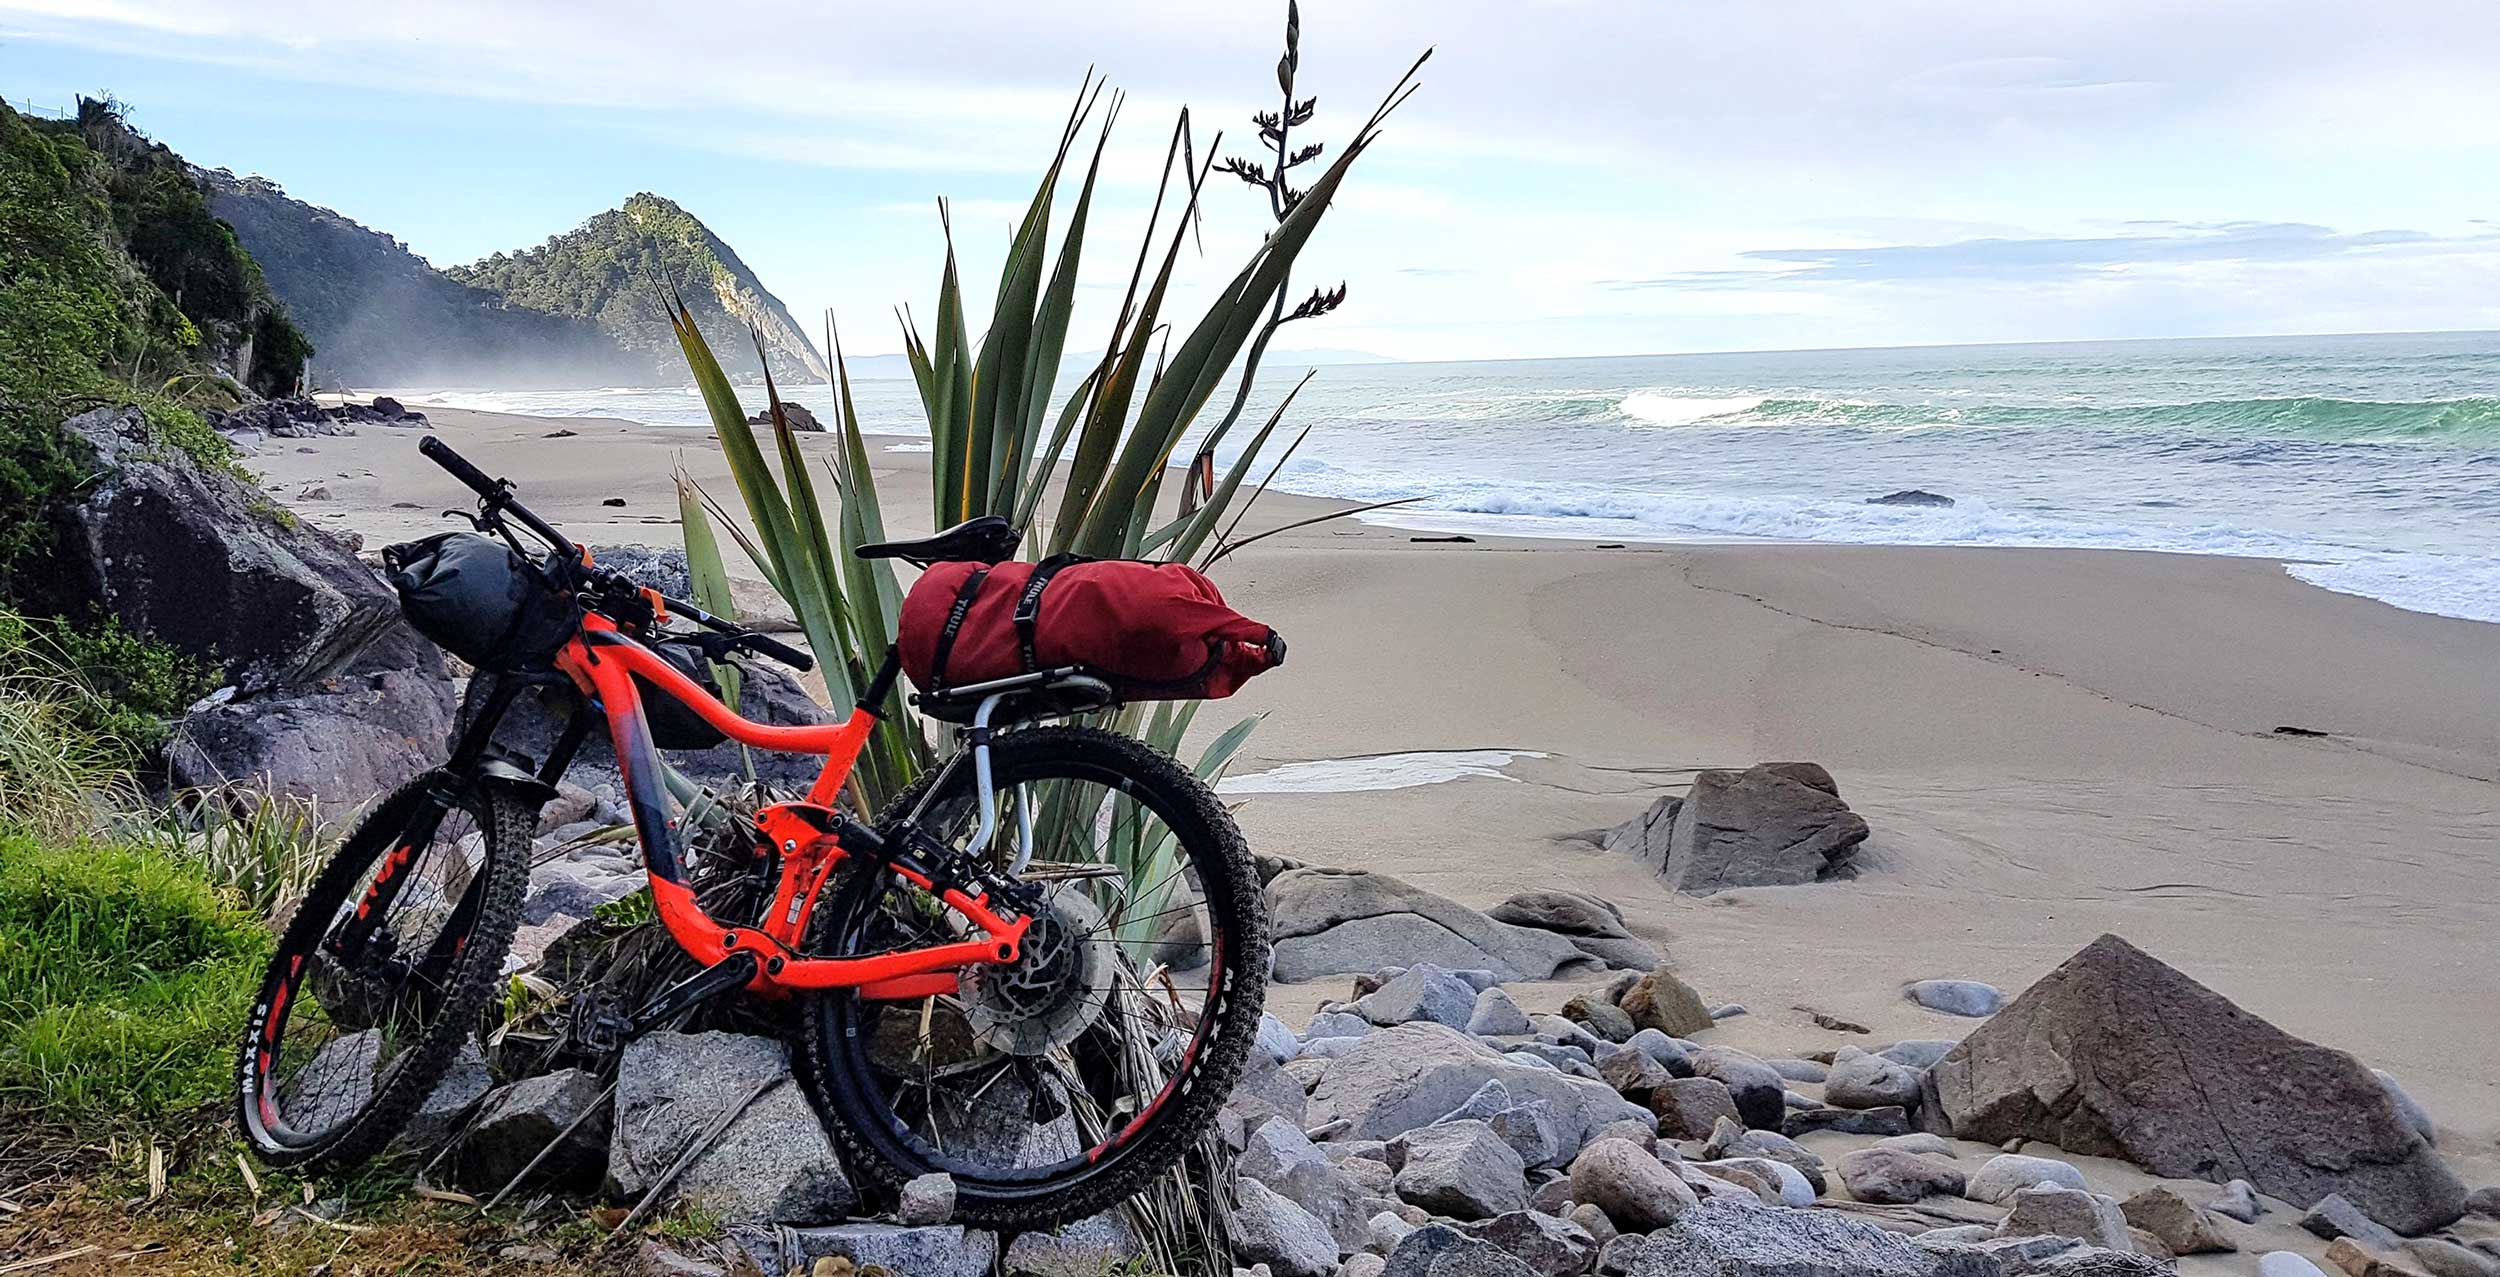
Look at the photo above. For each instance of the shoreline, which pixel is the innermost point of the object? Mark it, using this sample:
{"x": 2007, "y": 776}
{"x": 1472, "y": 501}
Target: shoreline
{"x": 2049, "y": 744}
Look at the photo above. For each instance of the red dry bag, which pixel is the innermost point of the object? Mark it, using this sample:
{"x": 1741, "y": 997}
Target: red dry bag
{"x": 1154, "y": 631}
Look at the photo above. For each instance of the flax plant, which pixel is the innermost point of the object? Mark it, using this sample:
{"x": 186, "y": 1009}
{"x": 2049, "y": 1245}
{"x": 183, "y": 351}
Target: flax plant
{"x": 1084, "y": 480}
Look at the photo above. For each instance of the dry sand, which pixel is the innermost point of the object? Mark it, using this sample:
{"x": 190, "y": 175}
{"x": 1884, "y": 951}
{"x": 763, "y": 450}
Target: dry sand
{"x": 2049, "y": 745}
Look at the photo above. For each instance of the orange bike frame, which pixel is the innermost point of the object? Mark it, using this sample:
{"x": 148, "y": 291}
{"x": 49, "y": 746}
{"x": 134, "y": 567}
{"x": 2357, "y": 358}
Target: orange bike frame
{"x": 604, "y": 663}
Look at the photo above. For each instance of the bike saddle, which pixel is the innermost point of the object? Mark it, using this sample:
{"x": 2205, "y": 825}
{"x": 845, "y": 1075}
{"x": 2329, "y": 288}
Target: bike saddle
{"x": 988, "y": 539}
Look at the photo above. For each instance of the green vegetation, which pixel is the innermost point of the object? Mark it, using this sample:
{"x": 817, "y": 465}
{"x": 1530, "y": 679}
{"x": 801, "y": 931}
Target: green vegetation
{"x": 384, "y": 316}
{"x": 123, "y": 979}
{"x": 116, "y": 286}
{"x": 620, "y": 269}
{"x": 111, "y": 690}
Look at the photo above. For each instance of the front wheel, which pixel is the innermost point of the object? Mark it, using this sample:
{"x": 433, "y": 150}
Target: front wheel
{"x": 384, "y": 972}
{"x": 1052, "y": 1088}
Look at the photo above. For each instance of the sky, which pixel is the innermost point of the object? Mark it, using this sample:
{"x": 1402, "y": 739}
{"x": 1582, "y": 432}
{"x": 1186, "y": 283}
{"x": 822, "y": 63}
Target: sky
{"x": 1575, "y": 177}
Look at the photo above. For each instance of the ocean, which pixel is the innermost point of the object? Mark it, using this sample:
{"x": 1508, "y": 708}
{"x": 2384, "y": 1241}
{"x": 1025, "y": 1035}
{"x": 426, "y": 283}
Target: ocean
{"x": 2370, "y": 464}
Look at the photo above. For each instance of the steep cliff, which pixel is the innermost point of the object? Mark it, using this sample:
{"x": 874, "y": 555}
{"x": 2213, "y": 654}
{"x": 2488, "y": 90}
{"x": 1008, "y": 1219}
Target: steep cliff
{"x": 382, "y": 316}
{"x": 615, "y": 269}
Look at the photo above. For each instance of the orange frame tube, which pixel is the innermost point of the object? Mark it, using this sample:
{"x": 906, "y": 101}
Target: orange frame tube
{"x": 604, "y": 663}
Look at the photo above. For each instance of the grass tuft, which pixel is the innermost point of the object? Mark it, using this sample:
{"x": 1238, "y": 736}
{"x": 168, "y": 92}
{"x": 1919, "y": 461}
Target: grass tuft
{"x": 123, "y": 980}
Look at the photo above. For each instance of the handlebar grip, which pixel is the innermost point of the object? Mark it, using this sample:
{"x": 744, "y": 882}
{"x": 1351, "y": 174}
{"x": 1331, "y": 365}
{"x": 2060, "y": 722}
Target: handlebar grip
{"x": 780, "y": 651}
{"x": 440, "y": 453}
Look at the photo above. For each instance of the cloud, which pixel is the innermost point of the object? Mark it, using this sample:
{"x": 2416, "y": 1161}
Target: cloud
{"x": 1997, "y": 259}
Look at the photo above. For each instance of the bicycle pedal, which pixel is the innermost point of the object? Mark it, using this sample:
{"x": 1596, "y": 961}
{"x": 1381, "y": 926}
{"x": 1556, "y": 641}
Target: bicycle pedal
{"x": 603, "y": 1034}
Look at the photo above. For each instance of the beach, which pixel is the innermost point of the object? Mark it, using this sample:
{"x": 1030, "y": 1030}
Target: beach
{"x": 2048, "y": 743}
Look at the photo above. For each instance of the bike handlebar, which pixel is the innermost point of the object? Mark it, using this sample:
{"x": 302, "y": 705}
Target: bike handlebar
{"x": 497, "y": 497}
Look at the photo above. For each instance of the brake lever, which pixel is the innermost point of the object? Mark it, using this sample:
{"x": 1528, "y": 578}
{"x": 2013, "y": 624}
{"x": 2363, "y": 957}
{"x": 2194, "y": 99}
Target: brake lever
{"x": 475, "y": 522}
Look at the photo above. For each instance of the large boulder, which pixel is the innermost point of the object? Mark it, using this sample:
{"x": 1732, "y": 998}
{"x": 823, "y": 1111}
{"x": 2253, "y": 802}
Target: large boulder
{"x": 2117, "y": 1054}
{"x": 340, "y": 742}
{"x": 772, "y": 1164}
{"x": 1397, "y": 1079}
{"x": 197, "y": 558}
{"x": 1774, "y": 824}
{"x": 1332, "y": 921}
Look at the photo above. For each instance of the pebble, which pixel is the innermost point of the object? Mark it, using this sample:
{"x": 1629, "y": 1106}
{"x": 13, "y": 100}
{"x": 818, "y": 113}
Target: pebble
{"x": 928, "y": 1200}
{"x": 1922, "y": 1143}
{"x": 2287, "y": 1263}
{"x": 1496, "y": 1015}
{"x": 1728, "y": 1012}
{"x": 1958, "y": 997}
{"x": 1918, "y": 1053}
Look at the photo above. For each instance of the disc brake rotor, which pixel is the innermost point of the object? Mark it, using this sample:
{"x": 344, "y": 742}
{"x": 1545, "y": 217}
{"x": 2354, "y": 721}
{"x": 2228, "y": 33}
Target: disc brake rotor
{"x": 1055, "y": 989}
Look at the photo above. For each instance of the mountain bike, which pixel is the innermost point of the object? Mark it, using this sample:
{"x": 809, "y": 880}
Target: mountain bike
{"x": 1040, "y": 969}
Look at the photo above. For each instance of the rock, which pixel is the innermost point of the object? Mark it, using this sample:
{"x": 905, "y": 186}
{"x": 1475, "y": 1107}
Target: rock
{"x": 2097, "y": 1261}
{"x": 1496, "y": 1015}
{"x": 1791, "y": 1185}
{"x": 1893, "y": 1176}
{"x": 1919, "y": 1053}
{"x": 1862, "y": 1081}
{"x": 1664, "y": 1049}
{"x": 1661, "y": 1001}
{"x": 1459, "y": 1169}
{"x": 1439, "y": 1250}
{"x": 2116, "y": 1054}
{"x": 1763, "y": 826}
{"x": 1689, "y": 1107}
{"x": 2179, "y": 1223}
{"x": 1337, "y": 1024}
{"x": 1546, "y": 1244}
{"x": 1634, "y": 1189}
{"x": 2058, "y": 1211}
{"x": 1634, "y": 1073}
{"x": 927, "y": 1199}
{"x": 1268, "y": 1228}
{"x": 1719, "y": 1239}
{"x": 1483, "y": 1103}
{"x": 946, "y": 1250}
{"x": 1364, "y": 1265}
{"x": 574, "y": 889}
{"x": 771, "y": 1164}
{"x": 2006, "y": 1174}
{"x": 1277, "y": 1039}
{"x": 1088, "y": 1247}
{"x": 1327, "y": 921}
{"x": 517, "y": 1121}
{"x": 2357, "y": 1260}
{"x": 2484, "y": 1201}
{"x": 2334, "y": 1216}
{"x": 1759, "y": 1093}
{"x": 1912, "y": 497}
{"x": 1421, "y": 992}
{"x": 1387, "y": 1230}
{"x": 1529, "y": 1130}
{"x": 463, "y": 1086}
{"x": 2407, "y": 1107}
{"x": 1800, "y": 1070}
{"x": 1645, "y": 837}
{"x": 1957, "y": 997}
{"x": 1569, "y": 1033}
{"x": 1279, "y": 1156}
{"x": 1837, "y": 1024}
{"x": 195, "y": 558}
{"x": 1591, "y": 922}
{"x": 1593, "y": 1222}
{"x": 1728, "y": 1139}
{"x": 2441, "y": 1258}
{"x": 1641, "y": 1133}
{"x": 2237, "y": 1200}
{"x": 1922, "y": 1143}
{"x": 2287, "y": 1263}
{"x": 799, "y": 417}
{"x": 1600, "y": 1017}
{"x": 1264, "y": 1090}
{"x": 1615, "y": 1258}
{"x": 1397, "y": 1079}
{"x": 1884, "y": 1120}
{"x": 1728, "y": 1012}
{"x": 337, "y": 743}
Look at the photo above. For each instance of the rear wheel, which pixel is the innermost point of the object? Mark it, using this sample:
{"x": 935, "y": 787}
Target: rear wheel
{"x": 384, "y": 974}
{"x": 1054, "y": 1087}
